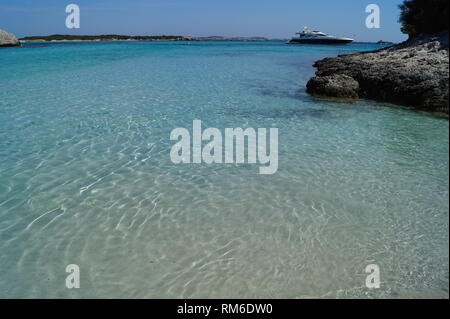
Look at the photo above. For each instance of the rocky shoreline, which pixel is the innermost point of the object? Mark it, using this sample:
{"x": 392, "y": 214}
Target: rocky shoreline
{"x": 8, "y": 40}
{"x": 414, "y": 73}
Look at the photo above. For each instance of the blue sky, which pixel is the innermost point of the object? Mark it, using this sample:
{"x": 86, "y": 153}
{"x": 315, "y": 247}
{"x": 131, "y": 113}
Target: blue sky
{"x": 268, "y": 18}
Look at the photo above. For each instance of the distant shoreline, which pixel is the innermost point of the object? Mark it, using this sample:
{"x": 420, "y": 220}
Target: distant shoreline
{"x": 108, "y": 37}
{"x": 118, "y": 38}
{"x": 114, "y": 37}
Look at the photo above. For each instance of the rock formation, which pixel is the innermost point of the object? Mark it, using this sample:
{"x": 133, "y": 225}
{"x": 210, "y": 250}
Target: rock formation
{"x": 413, "y": 73}
{"x": 8, "y": 39}
{"x": 336, "y": 85}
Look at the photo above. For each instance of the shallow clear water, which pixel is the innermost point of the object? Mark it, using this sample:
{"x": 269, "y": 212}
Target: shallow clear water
{"x": 86, "y": 178}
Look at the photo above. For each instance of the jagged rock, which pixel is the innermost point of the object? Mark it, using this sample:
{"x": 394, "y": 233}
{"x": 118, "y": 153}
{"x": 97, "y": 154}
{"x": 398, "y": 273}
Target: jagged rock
{"x": 414, "y": 73}
{"x": 336, "y": 85}
{"x": 8, "y": 40}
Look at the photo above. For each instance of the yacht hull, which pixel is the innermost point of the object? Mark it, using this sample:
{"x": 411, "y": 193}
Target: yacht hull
{"x": 320, "y": 41}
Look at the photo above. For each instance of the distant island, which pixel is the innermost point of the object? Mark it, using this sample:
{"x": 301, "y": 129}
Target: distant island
{"x": 384, "y": 42}
{"x": 221, "y": 38}
{"x": 117, "y": 37}
{"x": 104, "y": 37}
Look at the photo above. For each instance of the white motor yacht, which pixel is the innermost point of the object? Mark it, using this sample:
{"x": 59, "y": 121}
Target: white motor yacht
{"x": 316, "y": 37}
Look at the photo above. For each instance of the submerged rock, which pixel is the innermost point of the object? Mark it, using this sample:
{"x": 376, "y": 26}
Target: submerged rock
{"x": 8, "y": 40}
{"x": 413, "y": 73}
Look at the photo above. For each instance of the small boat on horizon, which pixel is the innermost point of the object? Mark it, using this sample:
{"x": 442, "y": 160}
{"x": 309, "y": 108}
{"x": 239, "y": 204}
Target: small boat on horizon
{"x": 308, "y": 36}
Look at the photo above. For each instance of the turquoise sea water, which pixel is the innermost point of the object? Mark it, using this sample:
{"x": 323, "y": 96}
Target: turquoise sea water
{"x": 86, "y": 178}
